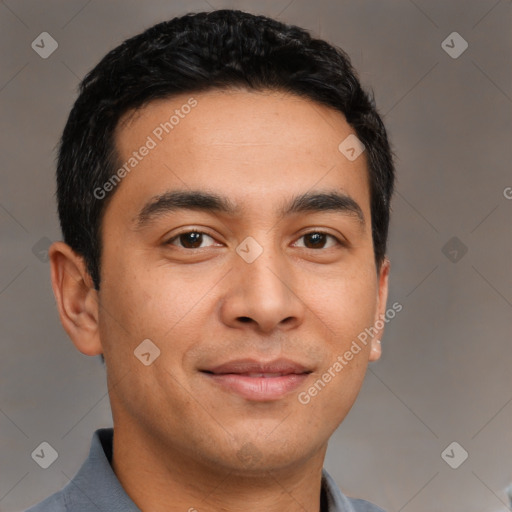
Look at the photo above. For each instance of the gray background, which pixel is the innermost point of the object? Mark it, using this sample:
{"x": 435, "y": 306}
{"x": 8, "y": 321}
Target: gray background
{"x": 445, "y": 371}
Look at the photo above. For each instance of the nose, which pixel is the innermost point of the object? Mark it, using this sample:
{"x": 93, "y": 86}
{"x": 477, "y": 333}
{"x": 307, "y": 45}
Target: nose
{"x": 263, "y": 295}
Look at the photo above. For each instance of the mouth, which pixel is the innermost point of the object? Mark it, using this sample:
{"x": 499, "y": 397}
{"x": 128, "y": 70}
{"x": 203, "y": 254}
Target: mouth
{"x": 258, "y": 381}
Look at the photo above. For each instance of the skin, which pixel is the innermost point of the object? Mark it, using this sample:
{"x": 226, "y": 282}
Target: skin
{"x": 178, "y": 436}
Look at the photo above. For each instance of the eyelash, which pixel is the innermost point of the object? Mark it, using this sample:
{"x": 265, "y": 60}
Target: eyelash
{"x": 320, "y": 232}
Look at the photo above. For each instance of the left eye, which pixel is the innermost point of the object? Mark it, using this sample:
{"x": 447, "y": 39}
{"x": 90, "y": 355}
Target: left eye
{"x": 317, "y": 240}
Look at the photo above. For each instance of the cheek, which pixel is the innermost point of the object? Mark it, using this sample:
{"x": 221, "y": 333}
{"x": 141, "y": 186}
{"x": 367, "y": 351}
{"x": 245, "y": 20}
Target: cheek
{"x": 346, "y": 304}
{"x": 127, "y": 308}
{"x": 157, "y": 305}
{"x": 346, "y": 307}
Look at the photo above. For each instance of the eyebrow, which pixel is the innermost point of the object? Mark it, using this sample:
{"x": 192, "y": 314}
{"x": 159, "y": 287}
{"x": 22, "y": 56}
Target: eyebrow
{"x": 198, "y": 200}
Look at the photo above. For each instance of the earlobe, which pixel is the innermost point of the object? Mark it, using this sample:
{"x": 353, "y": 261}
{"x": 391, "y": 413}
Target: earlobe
{"x": 76, "y": 298}
{"x": 376, "y": 350}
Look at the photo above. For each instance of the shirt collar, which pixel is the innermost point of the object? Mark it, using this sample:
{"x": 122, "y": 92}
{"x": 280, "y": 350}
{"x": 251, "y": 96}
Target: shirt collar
{"x": 96, "y": 480}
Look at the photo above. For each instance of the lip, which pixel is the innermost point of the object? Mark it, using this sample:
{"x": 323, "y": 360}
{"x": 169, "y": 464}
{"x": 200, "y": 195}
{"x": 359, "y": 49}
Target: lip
{"x": 257, "y": 380}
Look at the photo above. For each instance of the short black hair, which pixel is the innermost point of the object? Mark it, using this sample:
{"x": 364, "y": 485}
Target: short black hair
{"x": 197, "y": 52}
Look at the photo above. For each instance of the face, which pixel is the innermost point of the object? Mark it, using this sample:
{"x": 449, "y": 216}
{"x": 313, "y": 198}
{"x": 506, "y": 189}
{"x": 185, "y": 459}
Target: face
{"x": 240, "y": 245}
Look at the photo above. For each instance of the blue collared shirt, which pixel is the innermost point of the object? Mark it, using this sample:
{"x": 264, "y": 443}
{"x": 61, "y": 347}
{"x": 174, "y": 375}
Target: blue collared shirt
{"x": 96, "y": 488}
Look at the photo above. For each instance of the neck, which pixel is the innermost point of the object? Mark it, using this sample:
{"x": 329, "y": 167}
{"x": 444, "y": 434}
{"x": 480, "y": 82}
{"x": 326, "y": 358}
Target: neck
{"x": 162, "y": 479}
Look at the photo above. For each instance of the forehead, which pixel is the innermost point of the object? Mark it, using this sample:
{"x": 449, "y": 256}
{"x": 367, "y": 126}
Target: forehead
{"x": 237, "y": 142}
{"x": 245, "y": 116}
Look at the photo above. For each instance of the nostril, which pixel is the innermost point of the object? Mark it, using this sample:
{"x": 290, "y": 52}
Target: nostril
{"x": 244, "y": 319}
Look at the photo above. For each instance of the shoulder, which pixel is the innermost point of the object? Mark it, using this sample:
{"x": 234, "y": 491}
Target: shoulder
{"x": 90, "y": 486}
{"x": 71, "y": 498}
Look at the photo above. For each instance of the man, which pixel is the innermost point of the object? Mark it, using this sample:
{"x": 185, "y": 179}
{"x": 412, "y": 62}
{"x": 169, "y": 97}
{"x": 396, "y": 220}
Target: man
{"x": 223, "y": 191}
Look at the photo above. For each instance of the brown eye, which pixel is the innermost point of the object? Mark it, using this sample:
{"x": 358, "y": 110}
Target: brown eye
{"x": 315, "y": 240}
{"x": 189, "y": 239}
{"x": 318, "y": 239}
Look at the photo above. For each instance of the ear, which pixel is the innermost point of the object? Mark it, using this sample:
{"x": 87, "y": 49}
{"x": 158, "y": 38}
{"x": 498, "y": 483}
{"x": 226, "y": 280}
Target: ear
{"x": 77, "y": 300}
{"x": 378, "y": 323}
